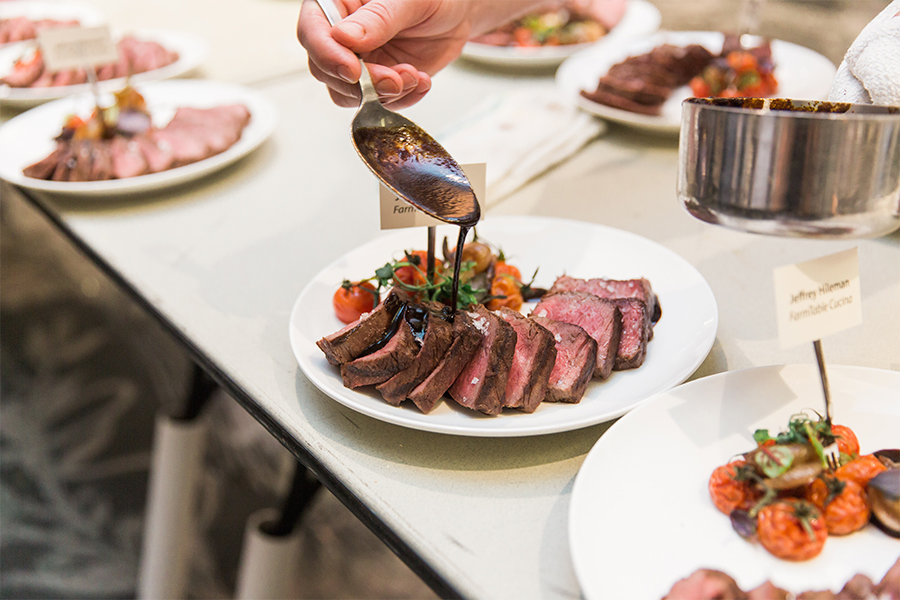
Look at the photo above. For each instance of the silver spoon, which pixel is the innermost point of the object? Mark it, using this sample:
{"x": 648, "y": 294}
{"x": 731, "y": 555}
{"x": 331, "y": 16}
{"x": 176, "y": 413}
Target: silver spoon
{"x": 405, "y": 158}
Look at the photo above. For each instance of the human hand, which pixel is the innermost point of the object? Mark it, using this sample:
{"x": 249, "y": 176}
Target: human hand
{"x": 607, "y": 12}
{"x": 403, "y": 42}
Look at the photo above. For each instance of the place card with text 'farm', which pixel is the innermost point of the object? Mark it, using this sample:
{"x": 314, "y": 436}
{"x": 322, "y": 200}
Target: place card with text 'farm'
{"x": 397, "y": 213}
{"x": 817, "y": 298}
{"x": 77, "y": 47}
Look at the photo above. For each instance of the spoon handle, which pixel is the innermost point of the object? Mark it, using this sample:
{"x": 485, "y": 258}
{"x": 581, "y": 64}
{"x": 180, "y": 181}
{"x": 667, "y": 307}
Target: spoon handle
{"x": 365, "y": 80}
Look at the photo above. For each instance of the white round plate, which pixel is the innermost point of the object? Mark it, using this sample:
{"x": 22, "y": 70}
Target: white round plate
{"x": 28, "y": 138}
{"x": 681, "y": 339}
{"x": 60, "y": 10}
{"x": 192, "y": 51}
{"x": 640, "y": 19}
{"x": 801, "y": 73}
{"x": 641, "y": 517}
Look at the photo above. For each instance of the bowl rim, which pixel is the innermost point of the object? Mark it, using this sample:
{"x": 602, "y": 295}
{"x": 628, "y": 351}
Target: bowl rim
{"x": 871, "y": 111}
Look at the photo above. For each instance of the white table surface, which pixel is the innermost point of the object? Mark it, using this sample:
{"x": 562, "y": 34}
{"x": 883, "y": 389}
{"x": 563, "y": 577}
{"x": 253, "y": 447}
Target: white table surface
{"x": 222, "y": 260}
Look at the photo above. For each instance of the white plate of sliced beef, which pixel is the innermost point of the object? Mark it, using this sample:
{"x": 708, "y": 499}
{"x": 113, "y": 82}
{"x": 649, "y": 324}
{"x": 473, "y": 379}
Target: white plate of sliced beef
{"x": 177, "y": 150}
{"x": 21, "y": 20}
{"x": 641, "y": 517}
{"x": 641, "y": 18}
{"x": 150, "y": 55}
{"x": 801, "y": 73}
{"x": 564, "y": 250}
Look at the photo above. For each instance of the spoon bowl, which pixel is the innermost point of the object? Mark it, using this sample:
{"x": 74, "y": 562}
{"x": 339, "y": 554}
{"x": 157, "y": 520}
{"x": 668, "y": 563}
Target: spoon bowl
{"x": 405, "y": 158}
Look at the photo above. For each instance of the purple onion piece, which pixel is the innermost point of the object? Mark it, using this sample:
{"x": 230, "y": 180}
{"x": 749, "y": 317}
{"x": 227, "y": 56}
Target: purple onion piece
{"x": 743, "y": 524}
{"x": 133, "y": 122}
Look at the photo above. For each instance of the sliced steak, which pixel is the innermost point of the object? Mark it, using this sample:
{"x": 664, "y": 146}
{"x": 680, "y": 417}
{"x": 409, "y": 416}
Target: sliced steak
{"x": 613, "y": 288}
{"x": 127, "y": 159}
{"x": 386, "y": 361}
{"x": 533, "y": 361}
{"x": 351, "y": 341}
{"x": 81, "y": 170}
{"x": 466, "y": 339}
{"x": 600, "y": 317}
{"x": 437, "y": 339}
{"x": 635, "y": 333}
{"x": 158, "y": 158}
{"x": 576, "y": 359}
{"x": 482, "y": 383}
{"x": 102, "y": 167}
{"x": 43, "y": 169}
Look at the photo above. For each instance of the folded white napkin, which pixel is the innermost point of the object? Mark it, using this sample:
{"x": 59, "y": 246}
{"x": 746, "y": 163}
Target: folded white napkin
{"x": 870, "y": 71}
{"x": 519, "y": 135}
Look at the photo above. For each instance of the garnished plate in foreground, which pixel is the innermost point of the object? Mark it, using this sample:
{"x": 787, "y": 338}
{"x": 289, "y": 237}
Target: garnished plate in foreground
{"x": 637, "y": 526}
{"x": 682, "y": 338}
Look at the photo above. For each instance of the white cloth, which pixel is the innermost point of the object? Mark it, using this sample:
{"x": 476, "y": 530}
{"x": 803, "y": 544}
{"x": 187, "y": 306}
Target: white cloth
{"x": 870, "y": 71}
{"x": 519, "y": 135}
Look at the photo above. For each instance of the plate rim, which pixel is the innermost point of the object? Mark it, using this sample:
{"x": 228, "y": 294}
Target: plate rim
{"x": 579, "y": 495}
{"x": 420, "y": 422}
{"x": 262, "y": 110}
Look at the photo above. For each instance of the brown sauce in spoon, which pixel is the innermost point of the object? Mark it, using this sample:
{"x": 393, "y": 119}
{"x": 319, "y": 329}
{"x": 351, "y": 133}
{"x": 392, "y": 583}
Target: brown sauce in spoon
{"x": 417, "y": 168}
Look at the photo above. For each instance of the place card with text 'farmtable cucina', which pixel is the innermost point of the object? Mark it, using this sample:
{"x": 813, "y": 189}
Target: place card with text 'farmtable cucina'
{"x": 817, "y": 298}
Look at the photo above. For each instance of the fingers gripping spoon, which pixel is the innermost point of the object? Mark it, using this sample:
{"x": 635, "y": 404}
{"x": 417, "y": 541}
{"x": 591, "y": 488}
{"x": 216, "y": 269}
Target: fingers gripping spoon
{"x": 405, "y": 158}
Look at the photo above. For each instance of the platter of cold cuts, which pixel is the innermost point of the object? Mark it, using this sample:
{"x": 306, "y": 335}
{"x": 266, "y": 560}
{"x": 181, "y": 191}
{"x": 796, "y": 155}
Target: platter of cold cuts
{"x": 725, "y": 475}
{"x": 643, "y": 83}
{"x": 149, "y": 137}
{"x": 608, "y": 319}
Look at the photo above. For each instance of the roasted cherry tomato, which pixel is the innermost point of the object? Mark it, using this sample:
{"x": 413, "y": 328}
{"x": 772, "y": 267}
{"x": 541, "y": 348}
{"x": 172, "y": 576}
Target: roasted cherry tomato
{"x": 504, "y": 268}
{"x": 509, "y": 288}
{"x": 414, "y": 274}
{"x": 351, "y": 300}
{"x": 699, "y": 88}
{"x": 843, "y": 503}
{"x": 792, "y": 529}
{"x": 846, "y": 440}
{"x": 860, "y": 470}
{"x": 728, "y": 492}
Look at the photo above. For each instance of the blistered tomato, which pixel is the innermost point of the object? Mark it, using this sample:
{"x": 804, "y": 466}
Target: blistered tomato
{"x": 792, "y": 529}
{"x": 846, "y": 440}
{"x": 351, "y": 300}
{"x": 728, "y": 492}
{"x": 508, "y": 288}
{"x": 860, "y": 470}
{"x": 843, "y": 504}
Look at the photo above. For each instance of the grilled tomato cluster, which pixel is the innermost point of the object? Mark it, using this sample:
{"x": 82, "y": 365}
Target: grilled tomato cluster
{"x": 485, "y": 278}
{"x": 784, "y": 495}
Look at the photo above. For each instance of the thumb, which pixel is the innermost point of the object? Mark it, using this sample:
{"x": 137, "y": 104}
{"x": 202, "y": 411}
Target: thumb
{"x": 375, "y": 23}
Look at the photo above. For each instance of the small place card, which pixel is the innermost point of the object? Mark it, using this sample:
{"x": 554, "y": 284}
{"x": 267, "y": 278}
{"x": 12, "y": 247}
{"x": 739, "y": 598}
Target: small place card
{"x": 77, "y": 47}
{"x": 397, "y": 213}
{"x": 817, "y": 298}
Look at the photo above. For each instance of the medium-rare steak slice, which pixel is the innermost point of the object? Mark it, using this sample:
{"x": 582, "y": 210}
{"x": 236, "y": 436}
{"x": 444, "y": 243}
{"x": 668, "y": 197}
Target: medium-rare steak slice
{"x": 482, "y": 383}
{"x": 576, "y": 358}
{"x": 44, "y": 168}
{"x": 437, "y": 339}
{"x": 613, "y": 288}
{"x": 635, "y": 334}
{"x": 385, "y": 362}
{"x": 533, "y": 361}
{"x": 600, "y": 317}
{"x": 466, "y": 340}
{"x": 351, "y": 341}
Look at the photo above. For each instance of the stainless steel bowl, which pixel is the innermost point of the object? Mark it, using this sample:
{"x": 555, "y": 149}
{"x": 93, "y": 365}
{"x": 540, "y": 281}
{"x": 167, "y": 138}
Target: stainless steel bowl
{"x": 791, "y": 167}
